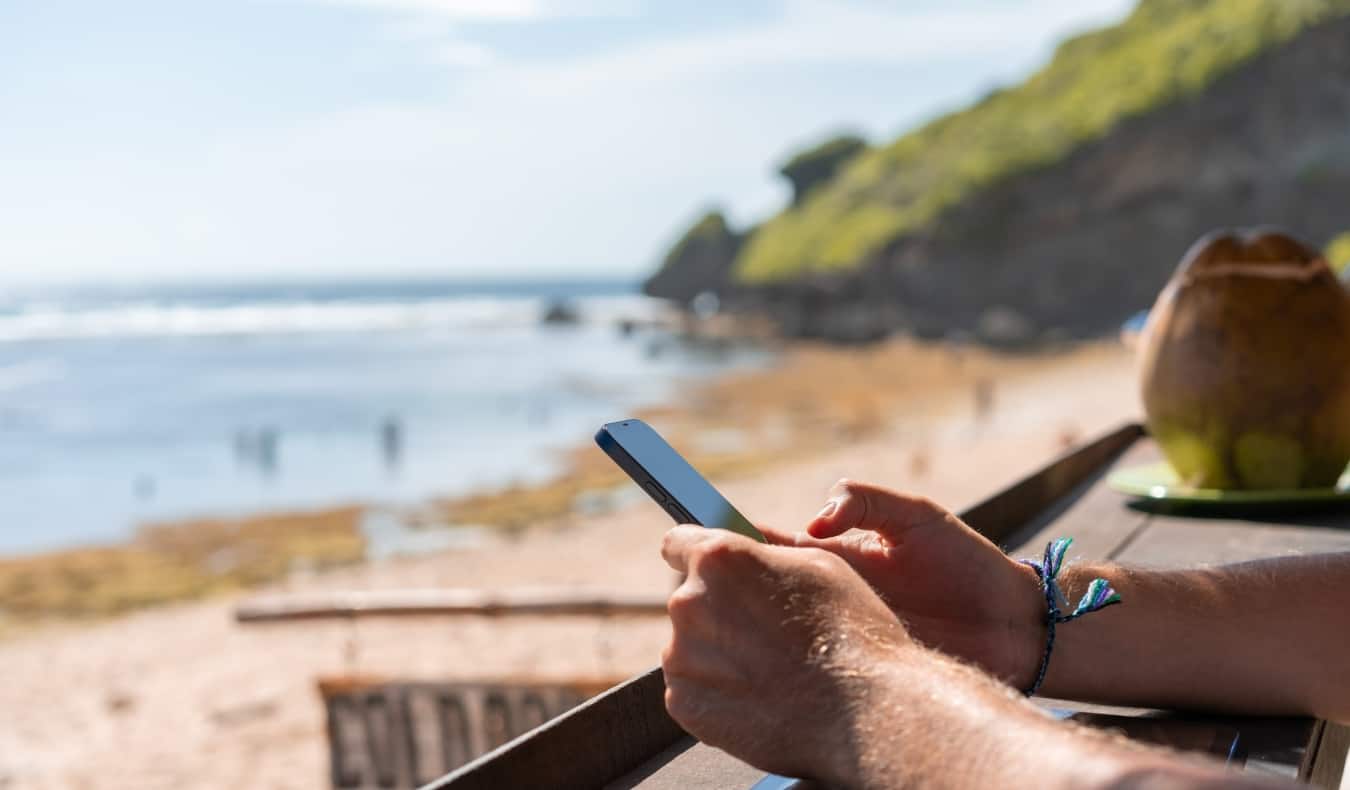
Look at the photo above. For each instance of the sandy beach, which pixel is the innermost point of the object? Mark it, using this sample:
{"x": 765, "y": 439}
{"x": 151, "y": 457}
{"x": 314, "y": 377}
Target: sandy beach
{"x": 182, "y": 696}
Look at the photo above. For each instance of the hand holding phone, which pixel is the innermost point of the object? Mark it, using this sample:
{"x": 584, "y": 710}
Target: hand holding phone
{"x": 689, "y": 499}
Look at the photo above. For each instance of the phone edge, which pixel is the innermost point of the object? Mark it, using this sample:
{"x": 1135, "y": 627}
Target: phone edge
{"x": 637, "y": 472}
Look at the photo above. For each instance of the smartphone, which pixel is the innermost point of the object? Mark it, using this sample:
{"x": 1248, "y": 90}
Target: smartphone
{"x": 669, "y": 479}
{"x": 685, "y": 495}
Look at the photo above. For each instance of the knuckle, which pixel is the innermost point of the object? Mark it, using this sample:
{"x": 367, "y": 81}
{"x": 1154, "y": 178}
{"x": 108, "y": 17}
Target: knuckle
{"x": 718, "y": 552}
{"x": 678, "y": 705}
{"x": 676, "y": 661}
{"x": 824, "y": 561}
{"x": 684, "y": 706}
{"x": 684, "y": 605}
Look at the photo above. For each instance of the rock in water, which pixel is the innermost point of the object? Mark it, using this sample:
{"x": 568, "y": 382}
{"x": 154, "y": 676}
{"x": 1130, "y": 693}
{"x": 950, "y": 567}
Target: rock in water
{"x": 560, "y": 313}
{"x": 1245, "y": 365}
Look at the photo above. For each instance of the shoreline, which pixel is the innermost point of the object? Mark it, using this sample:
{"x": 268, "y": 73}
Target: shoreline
{"x": 737, "y": 424}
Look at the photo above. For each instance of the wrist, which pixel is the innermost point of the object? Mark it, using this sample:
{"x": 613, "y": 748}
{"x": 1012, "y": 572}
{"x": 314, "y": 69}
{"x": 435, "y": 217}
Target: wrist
{"x": 864, "y": 671}
{"x": 894, "y": 695}
{"x": 1073, "y": 582}
{"x": 1026, "y": 631}
{"x": 868, "y": 695}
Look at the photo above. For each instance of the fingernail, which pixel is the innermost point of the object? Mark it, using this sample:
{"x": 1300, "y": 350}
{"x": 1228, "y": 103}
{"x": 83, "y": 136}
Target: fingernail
{"x": 828, "y": 510}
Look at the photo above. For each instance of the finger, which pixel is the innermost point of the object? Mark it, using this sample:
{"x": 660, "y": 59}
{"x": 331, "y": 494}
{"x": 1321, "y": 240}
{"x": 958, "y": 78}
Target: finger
{"x": 891, "y": 514}
{"x": 678, "y": 542}
{"x": 781, "y": 537}
{"x": 681, "y": 543}
{"x": 775, "y": 536}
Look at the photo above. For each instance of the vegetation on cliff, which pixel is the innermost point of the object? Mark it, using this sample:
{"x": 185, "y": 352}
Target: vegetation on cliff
{"x": 700, "y": 261}
{"x": 711, "y": 229}
{"x": 815, "y": 166}
{"x": 1165, "y": 51}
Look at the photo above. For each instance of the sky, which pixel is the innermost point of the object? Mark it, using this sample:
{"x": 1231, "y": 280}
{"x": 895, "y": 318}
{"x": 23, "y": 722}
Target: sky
{"x": 226, "y": 140}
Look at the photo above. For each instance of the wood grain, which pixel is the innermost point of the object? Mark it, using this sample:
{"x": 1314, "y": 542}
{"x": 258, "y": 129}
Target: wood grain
{"x": 1180, "y": 543}
{"x": 1096, "y": 517}
{"x": 689, "y": 765}
{"x": 587, "y": 747}
{"x": 1326, "y": 764}
{"x": 402, "y": 734}
{"x": 1003, "y": 516}
{"x": 481, "y": 603}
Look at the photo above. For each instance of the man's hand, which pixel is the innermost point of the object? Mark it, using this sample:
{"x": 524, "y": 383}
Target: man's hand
{"x": 787, "y": 659}
{"x": 953, "y": 589}
{"x": 772, "y": 651}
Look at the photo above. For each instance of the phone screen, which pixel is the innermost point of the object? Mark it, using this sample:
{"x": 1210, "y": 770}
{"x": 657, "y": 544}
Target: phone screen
{"x": 669, "y": 479}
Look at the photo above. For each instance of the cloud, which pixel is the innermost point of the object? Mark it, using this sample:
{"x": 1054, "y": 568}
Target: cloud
{"x": 439, "y": 25}
{"x": 498, "y": 10}
{"x": 464, "y": 53}
{"x": 495, "y": 10}
{"x": 816, "y": 32}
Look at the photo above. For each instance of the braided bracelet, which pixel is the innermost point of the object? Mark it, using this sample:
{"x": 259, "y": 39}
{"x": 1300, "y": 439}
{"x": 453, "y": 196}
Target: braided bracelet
{"x": 1099, "y": 595}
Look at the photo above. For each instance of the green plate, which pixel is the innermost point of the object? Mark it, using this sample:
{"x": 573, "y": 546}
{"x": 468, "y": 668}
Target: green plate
{"x": 1157, "y": 481}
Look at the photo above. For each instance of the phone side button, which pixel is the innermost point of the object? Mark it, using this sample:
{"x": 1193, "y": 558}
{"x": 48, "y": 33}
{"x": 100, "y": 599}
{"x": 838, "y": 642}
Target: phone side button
{"x": 658, "y": 493}
{"x": 678, "y": 513}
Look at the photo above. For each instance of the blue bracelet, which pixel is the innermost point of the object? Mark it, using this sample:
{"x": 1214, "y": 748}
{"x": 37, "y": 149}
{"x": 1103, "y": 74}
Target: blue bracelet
{"x": 1099, "y": 595}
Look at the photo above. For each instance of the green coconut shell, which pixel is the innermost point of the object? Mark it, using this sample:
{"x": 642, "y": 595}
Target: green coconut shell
{"x": 1245, "y": 365}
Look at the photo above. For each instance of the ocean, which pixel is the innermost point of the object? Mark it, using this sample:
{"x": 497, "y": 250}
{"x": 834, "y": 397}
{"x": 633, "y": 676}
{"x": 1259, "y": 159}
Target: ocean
{"x": 121, "y": 406}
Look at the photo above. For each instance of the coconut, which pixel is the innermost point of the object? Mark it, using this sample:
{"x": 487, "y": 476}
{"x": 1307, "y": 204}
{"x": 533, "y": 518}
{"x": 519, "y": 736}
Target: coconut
{"x": 1245, "y": 365}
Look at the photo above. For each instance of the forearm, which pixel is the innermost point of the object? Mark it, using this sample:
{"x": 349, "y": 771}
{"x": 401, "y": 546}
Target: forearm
{"x": 1261, "y": 637}
{"x": 937, "y": 724}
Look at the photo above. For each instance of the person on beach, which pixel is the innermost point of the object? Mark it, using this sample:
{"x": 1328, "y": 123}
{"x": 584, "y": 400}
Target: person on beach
{"x": 890, "y": 645}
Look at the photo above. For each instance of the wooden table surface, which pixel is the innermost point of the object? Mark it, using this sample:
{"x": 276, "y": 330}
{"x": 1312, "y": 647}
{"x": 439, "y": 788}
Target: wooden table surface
{"x": 1105, "y": 526}
{"x": 624, "y": 738}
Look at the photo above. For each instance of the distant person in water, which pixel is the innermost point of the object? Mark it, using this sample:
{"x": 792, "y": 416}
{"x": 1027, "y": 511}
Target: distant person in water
{"x": 911, "y": 639}
{"x": 257, "y": 448}
{"x": 268, "y": 440}
{"x": 391, "y": 442}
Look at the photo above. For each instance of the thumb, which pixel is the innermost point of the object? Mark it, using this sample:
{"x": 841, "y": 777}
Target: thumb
{"x": 890, "y": 514}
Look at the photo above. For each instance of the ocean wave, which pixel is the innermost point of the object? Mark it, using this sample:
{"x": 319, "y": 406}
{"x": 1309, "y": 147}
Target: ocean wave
{"x": 49, "y": 321}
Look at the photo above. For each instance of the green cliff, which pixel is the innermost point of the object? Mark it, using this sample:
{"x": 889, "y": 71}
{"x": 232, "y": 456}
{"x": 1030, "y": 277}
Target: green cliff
{"x": 1164, "y": 51}
{"x": 815, "y": 167}
{"x": 853, "y": 214}
{"x": 700, "y": 261}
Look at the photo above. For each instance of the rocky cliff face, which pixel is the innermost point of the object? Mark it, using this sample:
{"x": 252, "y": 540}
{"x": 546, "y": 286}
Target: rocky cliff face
{"x": 1075, "y": 247}
{"x": 700, "y": 261}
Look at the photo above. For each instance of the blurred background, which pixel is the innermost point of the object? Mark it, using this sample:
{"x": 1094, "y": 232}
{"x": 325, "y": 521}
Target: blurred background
{"x": 305, "y": 296}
